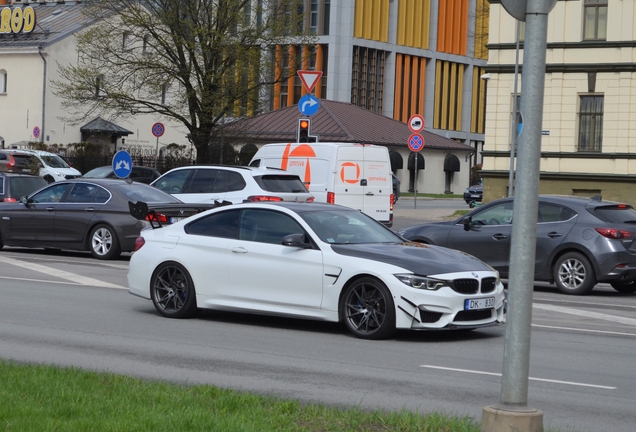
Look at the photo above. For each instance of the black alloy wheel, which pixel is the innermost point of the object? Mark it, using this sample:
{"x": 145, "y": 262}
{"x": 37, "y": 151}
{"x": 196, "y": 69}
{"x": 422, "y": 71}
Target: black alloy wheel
{"x": 573, "y": 274}
{"x": 627, "y": 287}
{"x": 172, "y": 291}
{"x": 368, "y": 310}
{"x": 103, "y": 242}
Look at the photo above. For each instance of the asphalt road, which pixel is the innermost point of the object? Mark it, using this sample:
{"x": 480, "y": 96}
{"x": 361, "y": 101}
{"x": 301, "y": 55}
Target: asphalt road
{"x": 69, "y": 309}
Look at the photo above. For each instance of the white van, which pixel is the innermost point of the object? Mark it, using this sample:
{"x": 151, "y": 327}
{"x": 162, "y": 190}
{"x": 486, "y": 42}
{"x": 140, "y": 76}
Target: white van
{"x": 53, "y": 167}
{"x": 353, "y": 175}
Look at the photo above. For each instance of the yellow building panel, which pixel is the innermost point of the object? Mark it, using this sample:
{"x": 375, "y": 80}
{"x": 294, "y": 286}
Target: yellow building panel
{"x": 437, "y": 114}
{"x": 416, "y": 83}
{"x": 401, "y": 23}
{"x": 458, "y": 99}
{"x": 425, "y": 22}
{"x": 482, "y": 17}
{"x": 409, "y": 22}
{"x": 358, "y": 19}
{"x": 417, "y": 24}
{"x": 452, "y": 97}
{"x": 367, "y": 19}
{"x": 445, "y": 90}
{"x": 384, "y": 24}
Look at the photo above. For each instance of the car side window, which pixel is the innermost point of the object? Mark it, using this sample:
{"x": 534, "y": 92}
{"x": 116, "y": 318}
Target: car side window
{"x": 203, "y": 181}
{"x": 174, "y": 182}
{"x": 267, "y": 226}
{"x": 51, "y": 194}
{"x": 101, "y": 195}
{"x": 81, "y": 193}
{"x": 235, "y": 181}
{"x": 2, "y": 186}
{"x": 223, "y": 224}
{"x": 553, "y": 213}
{"x": 500, "y": 214}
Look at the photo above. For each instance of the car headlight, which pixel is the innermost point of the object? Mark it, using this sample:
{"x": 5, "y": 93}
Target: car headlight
{"x": 421, "y": 282}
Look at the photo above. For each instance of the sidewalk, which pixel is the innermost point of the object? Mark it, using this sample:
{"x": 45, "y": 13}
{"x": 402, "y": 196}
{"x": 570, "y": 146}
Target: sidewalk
{"x": 427, "y": 213}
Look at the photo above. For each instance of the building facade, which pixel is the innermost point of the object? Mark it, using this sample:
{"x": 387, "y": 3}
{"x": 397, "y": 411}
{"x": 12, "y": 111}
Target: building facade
{"x": 588, "y": 143}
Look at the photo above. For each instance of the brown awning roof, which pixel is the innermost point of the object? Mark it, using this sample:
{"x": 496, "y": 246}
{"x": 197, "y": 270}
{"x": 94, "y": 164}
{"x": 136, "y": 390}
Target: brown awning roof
{"x": 335, "y": 121}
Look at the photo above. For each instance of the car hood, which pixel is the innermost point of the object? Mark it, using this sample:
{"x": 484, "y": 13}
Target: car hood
{"x": 418, "y": 258}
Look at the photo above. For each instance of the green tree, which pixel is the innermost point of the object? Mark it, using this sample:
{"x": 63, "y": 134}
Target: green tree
{"x": 194, "y": 61}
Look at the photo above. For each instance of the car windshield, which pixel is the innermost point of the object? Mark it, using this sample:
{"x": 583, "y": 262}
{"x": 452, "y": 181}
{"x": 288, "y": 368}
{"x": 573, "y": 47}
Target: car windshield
{"x": 342, "y": 226}
{"x": 21, "y": 186}
{"x": 281, "y": 183}
{"x": 622, "y": 214}
{"x": 100, "y": 172}
{"x": 141, "y": 192}
{"x": 54, "y": 161}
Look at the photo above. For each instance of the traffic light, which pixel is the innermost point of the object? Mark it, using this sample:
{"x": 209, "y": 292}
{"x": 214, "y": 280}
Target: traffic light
{"x": 304, "y": 131}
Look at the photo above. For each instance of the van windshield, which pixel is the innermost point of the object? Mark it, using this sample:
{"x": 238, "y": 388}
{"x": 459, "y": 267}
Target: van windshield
{"x": 54, "y": 161}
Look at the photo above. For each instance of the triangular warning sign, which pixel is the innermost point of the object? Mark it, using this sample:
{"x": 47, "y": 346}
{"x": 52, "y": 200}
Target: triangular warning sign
{"x": 309, "y": 79}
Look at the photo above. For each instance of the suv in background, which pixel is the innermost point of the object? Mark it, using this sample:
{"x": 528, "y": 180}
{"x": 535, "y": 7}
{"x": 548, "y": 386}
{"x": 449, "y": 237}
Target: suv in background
{"x": 16, "y": 161}
{"x": 53, "y": 167}
{"x": 474, "y": 195}
{"x": 15, "y": 186}
{"x": 139, "y": 174}
{"x": 235, "y": 184}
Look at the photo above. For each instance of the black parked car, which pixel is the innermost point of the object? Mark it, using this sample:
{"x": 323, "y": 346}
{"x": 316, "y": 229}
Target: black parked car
{"x": 474, "y": 195}
{"x": 580, "y": 241}
{"x": 15, "y": 186}
{"x": 138, "y": 173}
{"x": 88, "y": 215}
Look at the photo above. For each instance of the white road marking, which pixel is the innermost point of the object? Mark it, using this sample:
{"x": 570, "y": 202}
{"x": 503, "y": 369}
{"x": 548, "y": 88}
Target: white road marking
{"x": 75, "y": 278}
{"x": 530, "y": 378}
{"x": 584, "y": 330}
{"x": 587, "y": 314}
{"x": 585, "y": 303}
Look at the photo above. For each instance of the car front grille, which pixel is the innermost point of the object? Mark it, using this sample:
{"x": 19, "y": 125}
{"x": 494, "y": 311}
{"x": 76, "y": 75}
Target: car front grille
{"x": 465, "y": 286}
{"x": 429, "y": 317}
{"x": 488, "y": 285}
{"x": 473, "y": 315}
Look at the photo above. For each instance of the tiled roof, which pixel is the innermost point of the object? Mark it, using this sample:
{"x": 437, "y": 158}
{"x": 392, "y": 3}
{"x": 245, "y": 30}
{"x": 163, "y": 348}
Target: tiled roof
{"x": 337, "y": 121}
{"x": 99, "y": 125}
{"x": 54, "y": 21}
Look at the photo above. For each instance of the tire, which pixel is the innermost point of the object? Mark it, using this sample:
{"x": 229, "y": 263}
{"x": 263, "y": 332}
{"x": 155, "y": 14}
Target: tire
{"x": 49, "y": 179}
{"x": 573, "y": 274}
{"x": 368, "y": 310}
{"x": 103, "y": 242}
{"x": 172, "y": 291}
{"x": 627, "y": 287}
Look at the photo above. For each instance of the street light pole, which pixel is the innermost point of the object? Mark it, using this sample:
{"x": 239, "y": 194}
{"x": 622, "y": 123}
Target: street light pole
{"x": 515, "y": 119}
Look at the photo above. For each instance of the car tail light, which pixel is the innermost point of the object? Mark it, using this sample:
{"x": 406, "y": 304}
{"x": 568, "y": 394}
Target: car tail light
{"x": 10, "y": 200}
{"x": 157, "y": 217}
{"x": 614, "y": 233}
{"x": 11, "y": 163}
{"x": 331, "y": 198}
{"x": 139, "y": 242}
{"x": 258, "y": 198}
{"x": 310, "y": 199}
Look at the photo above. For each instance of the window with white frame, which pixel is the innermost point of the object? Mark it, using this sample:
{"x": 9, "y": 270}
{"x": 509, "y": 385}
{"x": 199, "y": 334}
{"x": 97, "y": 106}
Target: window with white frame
{"x": 591, "y": 123}
{"x": 3, "y": 81}
{"x": 595, "y": 19}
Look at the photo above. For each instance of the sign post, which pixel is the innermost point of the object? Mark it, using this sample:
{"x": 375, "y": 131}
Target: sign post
{"x": 309, "y": 104}
{"x": 416, "y": 144}
{"x": 158, "y": 129}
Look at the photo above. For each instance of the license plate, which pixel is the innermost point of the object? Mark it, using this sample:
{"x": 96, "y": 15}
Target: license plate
{"x": 482, "y": 303}
{"x": 176, "y": 219}
{"x": 474, "y": 196}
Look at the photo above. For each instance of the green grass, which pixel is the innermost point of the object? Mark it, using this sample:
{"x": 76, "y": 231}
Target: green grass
{"x": 428, "y": 195}
{"x": 46, "y": 398}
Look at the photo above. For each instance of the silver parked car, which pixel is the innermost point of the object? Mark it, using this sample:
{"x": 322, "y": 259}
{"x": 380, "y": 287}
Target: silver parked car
{"x": 580, "y": 241}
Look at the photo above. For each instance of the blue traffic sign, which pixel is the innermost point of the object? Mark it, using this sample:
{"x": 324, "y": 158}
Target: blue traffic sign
{"x": 416, "y": 142}
{"x": 122, "y": 164}
{"x": 308, "y": 105}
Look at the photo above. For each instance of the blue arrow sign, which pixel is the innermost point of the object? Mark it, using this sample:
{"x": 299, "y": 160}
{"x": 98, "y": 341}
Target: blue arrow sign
{"x": 308, "y": 105}
{"x": 122, "y": 164}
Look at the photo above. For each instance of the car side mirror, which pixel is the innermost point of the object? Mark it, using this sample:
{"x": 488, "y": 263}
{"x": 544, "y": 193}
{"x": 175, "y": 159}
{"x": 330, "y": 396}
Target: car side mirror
{"x": 467, "y": 223}
{"x": 24, "y": 200}
{"x": 296, "y": 240}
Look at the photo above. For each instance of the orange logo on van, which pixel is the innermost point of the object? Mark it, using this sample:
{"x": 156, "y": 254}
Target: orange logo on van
{"x": 302, "y": 150}
{"x": 343, "y": 169}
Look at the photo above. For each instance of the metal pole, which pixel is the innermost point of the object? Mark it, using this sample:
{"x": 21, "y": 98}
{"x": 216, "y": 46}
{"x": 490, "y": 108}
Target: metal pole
{"x": 515, "y": 120}
{"x": 514, "y": 388}
{"x": 415, "y": 186}
{"x": 157, "y": 154}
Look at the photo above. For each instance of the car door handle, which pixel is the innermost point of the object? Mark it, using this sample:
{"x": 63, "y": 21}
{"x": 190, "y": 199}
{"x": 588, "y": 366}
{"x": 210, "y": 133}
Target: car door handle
{"x": 50, "y": 209}
{"x": 89, "y": 209}
{"x": 554, "y": 234}
{"x": 500, "y": 237}
{"x": 241, "y": 250}
{"x": 369, "y": 194}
